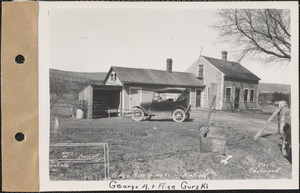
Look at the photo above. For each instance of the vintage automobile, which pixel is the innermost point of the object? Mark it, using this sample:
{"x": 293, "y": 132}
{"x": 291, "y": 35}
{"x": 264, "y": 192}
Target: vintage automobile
{"x": 171, "y": 101}
{"x": 286, "y": 147}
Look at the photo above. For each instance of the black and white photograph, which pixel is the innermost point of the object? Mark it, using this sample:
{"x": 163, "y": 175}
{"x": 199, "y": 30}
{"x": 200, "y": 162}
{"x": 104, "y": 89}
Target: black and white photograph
{"x": 168, "y": 96}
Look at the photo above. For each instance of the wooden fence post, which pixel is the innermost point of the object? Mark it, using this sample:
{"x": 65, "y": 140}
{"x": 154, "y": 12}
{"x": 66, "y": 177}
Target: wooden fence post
{"x": 258, "y": 134}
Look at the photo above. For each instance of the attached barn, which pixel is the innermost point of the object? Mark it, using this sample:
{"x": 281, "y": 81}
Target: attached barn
{"x": 138, "y": 84}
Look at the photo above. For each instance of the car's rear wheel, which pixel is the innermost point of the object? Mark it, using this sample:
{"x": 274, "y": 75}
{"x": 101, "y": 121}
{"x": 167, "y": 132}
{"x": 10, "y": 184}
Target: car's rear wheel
{"x": 179, "y": 115}
{"x": 137, "y": 114}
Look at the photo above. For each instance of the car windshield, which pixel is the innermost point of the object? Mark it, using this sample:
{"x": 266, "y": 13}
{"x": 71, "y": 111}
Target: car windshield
{"x": 171, "y": 90}
{"x": 166, "y": 96}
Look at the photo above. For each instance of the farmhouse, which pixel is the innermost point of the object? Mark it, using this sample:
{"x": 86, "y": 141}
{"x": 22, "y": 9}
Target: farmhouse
{"x": 234, "y": 86}
{"x": 125, "y": 88}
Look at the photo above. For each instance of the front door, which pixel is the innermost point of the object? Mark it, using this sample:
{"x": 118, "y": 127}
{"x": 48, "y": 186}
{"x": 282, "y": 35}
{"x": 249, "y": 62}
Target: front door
{"x": 237, "y": 98}
{"x": 198, "y": 98}
{"x": 135, "y": 97}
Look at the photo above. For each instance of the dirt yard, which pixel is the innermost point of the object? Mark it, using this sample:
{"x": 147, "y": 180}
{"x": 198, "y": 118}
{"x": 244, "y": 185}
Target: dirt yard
{"x": 162, "y": 149}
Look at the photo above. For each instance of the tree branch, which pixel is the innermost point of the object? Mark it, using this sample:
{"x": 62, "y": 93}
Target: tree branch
{"x": 280, "y": 23}
{"x": 257, "y": 31}
{"x": 252, "y": 39}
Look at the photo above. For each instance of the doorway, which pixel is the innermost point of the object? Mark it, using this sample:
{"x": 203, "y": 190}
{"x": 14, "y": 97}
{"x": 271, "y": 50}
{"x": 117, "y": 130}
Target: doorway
{"x": 198, "y": 98}
{"x": 237, "y": 98}
{"x": 106, "y": 103}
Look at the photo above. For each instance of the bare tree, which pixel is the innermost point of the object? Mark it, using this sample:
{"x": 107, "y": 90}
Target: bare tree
{"x": 57, "y": 89}
{"x": 257, "y": 32}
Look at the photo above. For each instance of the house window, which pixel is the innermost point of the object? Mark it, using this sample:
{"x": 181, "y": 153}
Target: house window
{"x": 200, "y": 70}
{"x": 228, "y": 94}
{"x": 251, "y": 95}
{"x": 246, "y": 90}
{"x": 113, "y": 77}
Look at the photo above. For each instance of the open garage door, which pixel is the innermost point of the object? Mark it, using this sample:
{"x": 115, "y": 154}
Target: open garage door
{"x": 106, "y": 103}
{"x": 101, "y": 101}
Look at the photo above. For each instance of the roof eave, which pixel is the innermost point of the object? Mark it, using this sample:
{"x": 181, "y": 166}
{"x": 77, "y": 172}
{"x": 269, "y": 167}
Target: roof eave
{"x": 171, "y": 85}
{"x": 241, "y": 79}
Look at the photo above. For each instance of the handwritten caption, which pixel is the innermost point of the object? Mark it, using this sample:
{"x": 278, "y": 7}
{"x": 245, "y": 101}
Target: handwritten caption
{"x": 184, "y": 185}
{"x": 63, "y": 162}
{"x": 158, "y": 175}
{"x": 265, "y": 168}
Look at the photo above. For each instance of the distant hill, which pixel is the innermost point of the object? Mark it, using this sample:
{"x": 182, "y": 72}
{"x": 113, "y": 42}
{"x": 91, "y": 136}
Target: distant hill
{"x": 93, "y": 77}
{"x": 66, "y": 85}
{"x": 272, "y": 88}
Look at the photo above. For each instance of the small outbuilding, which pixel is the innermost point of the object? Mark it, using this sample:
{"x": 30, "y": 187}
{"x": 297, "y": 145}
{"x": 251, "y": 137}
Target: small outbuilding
{"x": 101, "y": 101}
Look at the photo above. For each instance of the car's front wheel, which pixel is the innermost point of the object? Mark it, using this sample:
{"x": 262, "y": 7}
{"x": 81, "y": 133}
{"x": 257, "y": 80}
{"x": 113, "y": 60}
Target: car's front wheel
{"x": 137, "y": 114}
{"x": 179, "y": 115}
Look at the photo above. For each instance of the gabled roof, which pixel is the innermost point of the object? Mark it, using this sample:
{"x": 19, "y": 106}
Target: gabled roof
{"x": 155, "y": 77}
{"x": 232, "y": 69}
{"x": 106, "y": 87}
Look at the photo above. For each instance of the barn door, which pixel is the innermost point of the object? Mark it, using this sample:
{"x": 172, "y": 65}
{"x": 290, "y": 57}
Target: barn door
{"x": 135, "y": 97}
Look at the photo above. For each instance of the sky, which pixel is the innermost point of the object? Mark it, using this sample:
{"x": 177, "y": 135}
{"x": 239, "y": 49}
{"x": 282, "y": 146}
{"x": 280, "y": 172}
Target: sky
{"x": 93, "y": 40}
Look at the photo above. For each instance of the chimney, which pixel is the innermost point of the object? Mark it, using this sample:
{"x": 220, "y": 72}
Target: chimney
{"x": 224, "y": 56}
{"x": 169, "y": 65}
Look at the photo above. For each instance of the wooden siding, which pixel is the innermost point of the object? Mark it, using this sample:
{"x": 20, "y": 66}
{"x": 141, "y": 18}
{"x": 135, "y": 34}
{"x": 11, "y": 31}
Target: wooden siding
{"x": 216, "y": 84}
{"x": 193, "y": 98}
{"x": 212, "y": 79}
{"x": 116, "y": 81}
{"x": 126, "y": 98}
{"x": 241, "y": 85}
{"x": 86, "y": 99}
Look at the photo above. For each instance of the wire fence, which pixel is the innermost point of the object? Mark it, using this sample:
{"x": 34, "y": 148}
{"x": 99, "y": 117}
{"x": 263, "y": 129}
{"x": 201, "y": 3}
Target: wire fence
{"x": 79, "y": 161}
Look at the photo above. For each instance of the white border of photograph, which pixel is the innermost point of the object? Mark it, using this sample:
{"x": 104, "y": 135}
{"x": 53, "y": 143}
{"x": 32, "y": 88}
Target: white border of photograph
{"x": 47, "y": 185}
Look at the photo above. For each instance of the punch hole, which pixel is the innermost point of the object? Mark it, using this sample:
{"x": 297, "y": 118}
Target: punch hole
{"x": 19, "y": 136}
{"x": 20, "y": 59}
